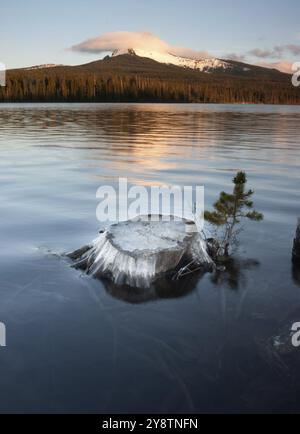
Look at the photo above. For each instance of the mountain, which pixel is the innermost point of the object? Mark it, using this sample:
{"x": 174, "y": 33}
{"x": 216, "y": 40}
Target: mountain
{"x": 208, "y": 65}
{"x": 203, "y": 65}
{"x": 147, "y": 63}
{"x": 140, "y": 76}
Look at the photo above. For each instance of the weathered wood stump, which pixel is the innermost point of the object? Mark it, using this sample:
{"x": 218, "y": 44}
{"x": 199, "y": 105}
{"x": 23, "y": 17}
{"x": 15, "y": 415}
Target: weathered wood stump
{"x": 139, "y": 251}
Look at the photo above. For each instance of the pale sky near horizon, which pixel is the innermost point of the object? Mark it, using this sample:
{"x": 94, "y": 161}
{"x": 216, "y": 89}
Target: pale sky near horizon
{"x": 35, "y": 32}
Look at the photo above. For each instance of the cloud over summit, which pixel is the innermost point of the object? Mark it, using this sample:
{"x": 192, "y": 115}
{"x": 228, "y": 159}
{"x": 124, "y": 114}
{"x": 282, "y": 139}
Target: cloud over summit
{"x": 137, "y": 40}
{"x": 274, "y": 57}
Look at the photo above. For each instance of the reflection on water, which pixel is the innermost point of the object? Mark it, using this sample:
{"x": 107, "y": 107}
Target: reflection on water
{"x": 78, "y": 344}
{"x": 162, "y": 290}
{"x": 233, "y": 275}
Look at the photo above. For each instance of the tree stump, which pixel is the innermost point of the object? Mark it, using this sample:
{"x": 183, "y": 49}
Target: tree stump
{"x": 139, "y": 251}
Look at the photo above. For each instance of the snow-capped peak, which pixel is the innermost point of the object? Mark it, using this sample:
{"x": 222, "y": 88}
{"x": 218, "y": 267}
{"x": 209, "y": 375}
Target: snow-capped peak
{"x": 121, "y": 51}
{"x": 205, "y": 64}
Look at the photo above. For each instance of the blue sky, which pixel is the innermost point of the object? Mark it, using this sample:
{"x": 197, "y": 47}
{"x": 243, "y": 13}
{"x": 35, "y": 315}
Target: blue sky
{"x": 36, "y": 32}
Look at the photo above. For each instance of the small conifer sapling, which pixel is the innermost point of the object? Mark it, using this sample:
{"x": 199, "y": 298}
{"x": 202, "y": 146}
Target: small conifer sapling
{"x": 229, "y": 211}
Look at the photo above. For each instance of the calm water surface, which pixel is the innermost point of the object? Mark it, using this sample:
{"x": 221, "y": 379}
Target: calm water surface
{"x": 79, "y": 345}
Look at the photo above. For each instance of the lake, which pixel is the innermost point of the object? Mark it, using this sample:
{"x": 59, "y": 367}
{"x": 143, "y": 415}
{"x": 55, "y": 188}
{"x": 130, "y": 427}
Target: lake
{"x": 75, "y": 344}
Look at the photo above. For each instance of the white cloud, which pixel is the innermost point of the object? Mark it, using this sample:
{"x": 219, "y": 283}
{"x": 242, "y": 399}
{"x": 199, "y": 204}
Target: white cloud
{"x": 283, "y": 66}
{"x": 108, "y": 42}
{"x": 135, "y": 40}
{"x": 235, "y": 56}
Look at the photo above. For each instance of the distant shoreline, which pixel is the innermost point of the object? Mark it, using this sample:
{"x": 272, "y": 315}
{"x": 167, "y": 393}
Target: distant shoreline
{"x": 132, "y": 79}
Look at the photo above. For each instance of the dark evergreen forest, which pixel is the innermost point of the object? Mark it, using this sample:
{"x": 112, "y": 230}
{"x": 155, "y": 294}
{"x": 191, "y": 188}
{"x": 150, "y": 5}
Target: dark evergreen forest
{"x": 131, "y": 79}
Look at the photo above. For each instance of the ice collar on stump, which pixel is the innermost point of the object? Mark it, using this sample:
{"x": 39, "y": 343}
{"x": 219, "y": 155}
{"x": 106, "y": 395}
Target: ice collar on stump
{"x": 139, "y": 251}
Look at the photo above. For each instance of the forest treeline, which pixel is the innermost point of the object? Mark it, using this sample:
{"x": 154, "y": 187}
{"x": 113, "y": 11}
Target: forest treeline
{"x": 75, "y": 84}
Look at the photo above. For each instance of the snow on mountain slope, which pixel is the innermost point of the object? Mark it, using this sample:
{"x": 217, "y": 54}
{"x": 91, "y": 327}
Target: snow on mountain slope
{"x": 47, "y": 65}
{"x": 204, "y": 65}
